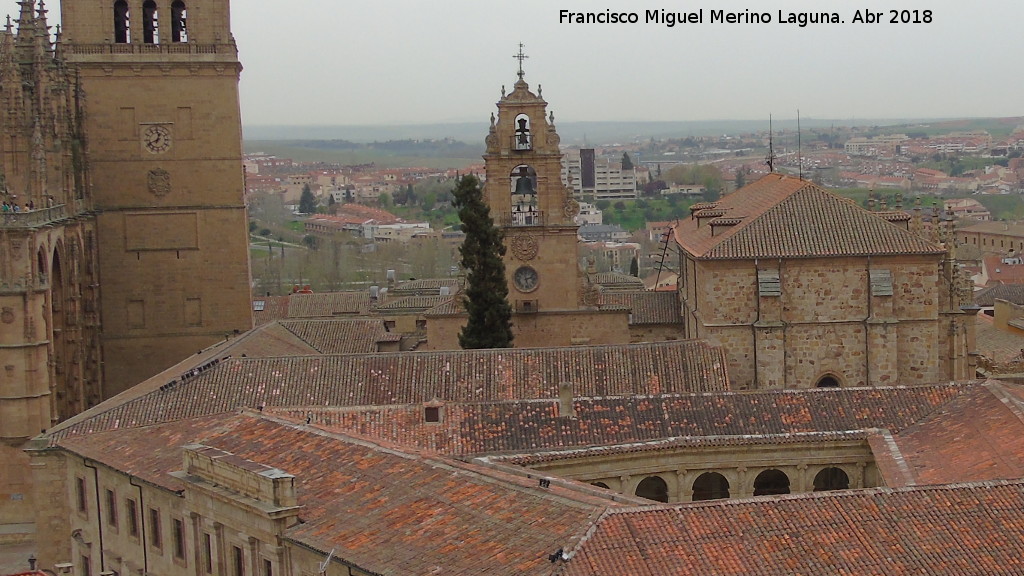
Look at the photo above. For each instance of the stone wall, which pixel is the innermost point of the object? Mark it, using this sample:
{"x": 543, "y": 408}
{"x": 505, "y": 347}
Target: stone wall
{"x": 825, "y": 319}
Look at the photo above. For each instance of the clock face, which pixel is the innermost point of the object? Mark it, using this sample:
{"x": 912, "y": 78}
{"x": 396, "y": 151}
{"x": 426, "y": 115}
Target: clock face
{"x": 526, "y": 279}
{"x": 157, "y": 139}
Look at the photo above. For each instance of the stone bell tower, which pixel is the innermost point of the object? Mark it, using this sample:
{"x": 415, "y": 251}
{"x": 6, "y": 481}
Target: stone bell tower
{"x": 160, "y": 83}
{"x": 531, "y": 204}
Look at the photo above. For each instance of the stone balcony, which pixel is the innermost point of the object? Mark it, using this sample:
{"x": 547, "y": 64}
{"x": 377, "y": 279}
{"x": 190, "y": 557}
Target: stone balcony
{"x": 42, "y": 217}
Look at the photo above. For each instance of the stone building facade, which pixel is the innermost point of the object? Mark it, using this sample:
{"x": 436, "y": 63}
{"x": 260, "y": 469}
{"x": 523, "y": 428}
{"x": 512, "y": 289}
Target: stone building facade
{"x": 803, "y": 288}
{"x": 123, "y": 243}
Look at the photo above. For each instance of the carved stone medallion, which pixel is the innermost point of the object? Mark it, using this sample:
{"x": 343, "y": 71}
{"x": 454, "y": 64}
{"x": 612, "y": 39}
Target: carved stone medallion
{"x": 7, "y": 316}
{"x": 159, "y": 181}
{"x": 571, "y": 208}
{"x": 524, "y": 247}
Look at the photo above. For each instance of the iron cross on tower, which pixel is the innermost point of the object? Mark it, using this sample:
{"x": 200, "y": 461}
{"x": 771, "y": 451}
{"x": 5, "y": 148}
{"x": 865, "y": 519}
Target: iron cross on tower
{"x": 520, "y": 56}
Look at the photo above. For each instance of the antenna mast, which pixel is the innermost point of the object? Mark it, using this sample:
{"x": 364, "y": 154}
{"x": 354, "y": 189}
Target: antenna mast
{"x": 770, "y": 159}
{"x": 799, "y": 148}
{"x": 327, "y": 561}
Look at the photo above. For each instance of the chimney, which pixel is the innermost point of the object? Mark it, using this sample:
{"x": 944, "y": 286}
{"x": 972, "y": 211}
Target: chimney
{"x": 565, "y": 407}
{"x": 391, "y": 278}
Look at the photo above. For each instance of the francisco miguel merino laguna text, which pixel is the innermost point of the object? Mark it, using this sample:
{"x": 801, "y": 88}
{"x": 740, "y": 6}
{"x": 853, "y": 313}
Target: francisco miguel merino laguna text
{"x": 802, "y": 19}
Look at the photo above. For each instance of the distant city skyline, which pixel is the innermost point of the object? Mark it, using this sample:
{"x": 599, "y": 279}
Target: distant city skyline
{"x": 406, "y": 61}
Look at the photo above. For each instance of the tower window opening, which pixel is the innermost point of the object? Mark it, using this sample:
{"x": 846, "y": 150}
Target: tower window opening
{"x": 525, "y": 209}
{"x": 150, "y": 23}
{"x": 179, "y": 17}
{"x": 122, "y": 27}
{"x": 522, "y": 139}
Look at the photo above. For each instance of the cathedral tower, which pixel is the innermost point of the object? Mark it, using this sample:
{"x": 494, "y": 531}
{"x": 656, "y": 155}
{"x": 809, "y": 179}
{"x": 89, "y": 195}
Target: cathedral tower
{"x": 160, "y": 79}
{"x": 531, "y": 204}
{"x": 50, "y": 361}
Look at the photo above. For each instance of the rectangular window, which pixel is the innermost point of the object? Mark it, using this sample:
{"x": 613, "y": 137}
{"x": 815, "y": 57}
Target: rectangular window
{"x": 80, "y": 497}
{"x": 179, "y": 538}
{"x": 111, "y": 508}
{"x": 768, "y": 283}
{"x": 154, "y": 529}
{"x": 208, "y": 553}
{"x": 86, "y": 566}
{"x": 268, "y": 568}
{"x": 881, "y": 282}
{"x": 237, "y": 562}
{"x": 136, "y": 311}
{"x": 132, "y": 512}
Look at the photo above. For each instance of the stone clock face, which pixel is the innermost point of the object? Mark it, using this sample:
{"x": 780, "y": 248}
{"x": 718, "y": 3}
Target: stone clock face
{"x": 526, "y": 279}
{"x": 157, "y": 139}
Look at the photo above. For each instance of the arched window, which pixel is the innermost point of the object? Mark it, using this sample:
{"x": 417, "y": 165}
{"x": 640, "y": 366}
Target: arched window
{"x": 522, "y": 139}
{"x": 831, "y": 479}
{"x": 179, "y": 16}
{"x": 827, "y": 381}
{"x": 653, "y": 488}
{"x": 525, "y": 211}
{"x": 41, "y": 263}
{"x": 150, "y": 25}
{"x": 122, "y": 28}
{"x": 710, "y": 486}
{"x": 771, "y": 482}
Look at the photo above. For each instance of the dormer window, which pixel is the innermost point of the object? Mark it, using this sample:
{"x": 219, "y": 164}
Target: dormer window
{"x": 122, "y": 29}
{"x": 522, "y": 139}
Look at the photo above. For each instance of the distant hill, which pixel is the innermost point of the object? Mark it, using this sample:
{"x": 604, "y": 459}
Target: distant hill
{"x": 572, "y": 133}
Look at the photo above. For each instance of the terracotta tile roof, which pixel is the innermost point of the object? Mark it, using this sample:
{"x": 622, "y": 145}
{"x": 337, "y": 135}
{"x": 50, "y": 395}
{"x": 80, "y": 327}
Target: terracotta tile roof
{"x": 425, "y": 287}
{"x": 951, "y": 530}
{"x": 149, "y": 452}
{"x": 1002, "y": 228}
{"x": 273, "y": 340}
{"x": 986, "y": 297}
{"x": 450, "y": 307}
{"x": 975, "y": 437}
{"x": 530, "y": 425}
{"x": 339, "y": 336}
{"x": 785, "y": 217}
{"x": 1001, "y": 272}
{"x": 412, "y": 303}
{"x": 272, "y": 308}
{"x": 328, "y": 304}
{"x": 997, "y": 345}
{"x": 418, "y": 514}
{"x": 648, "y": 307}
{"x": 411, "y": 377}
{"x": 615, "y": 282}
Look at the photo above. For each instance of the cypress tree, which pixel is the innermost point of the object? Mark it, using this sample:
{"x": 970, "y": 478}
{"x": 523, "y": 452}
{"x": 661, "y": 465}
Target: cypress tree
{"x": 490, "y": 316}
{"x": 307, "y": 202}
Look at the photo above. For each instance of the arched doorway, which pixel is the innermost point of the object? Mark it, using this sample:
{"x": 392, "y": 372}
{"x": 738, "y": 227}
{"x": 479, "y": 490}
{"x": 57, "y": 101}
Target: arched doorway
{"x": 653, "y": 488}
{"x": 827, "y": 381}
{"x": 831, "y": 479}
{"x": 771, "y": 482}
{"x": 710, "y": 486}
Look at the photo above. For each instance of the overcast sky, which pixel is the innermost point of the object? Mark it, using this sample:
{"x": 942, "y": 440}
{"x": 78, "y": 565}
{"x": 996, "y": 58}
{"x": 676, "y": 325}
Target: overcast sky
{"x": 319, "y": 62}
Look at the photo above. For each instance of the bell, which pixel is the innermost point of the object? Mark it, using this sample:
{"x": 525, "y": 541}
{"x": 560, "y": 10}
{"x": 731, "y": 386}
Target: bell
{"x": 524, "y": 185}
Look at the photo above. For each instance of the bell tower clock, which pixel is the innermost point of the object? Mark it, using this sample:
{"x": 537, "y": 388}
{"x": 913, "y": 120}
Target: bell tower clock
{"x": 529, "y": 202}
{"x": 160, "y": 79}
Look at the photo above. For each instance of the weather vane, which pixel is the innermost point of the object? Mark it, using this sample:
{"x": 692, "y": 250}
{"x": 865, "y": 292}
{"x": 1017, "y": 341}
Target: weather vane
{"x": 520, "y": 56}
